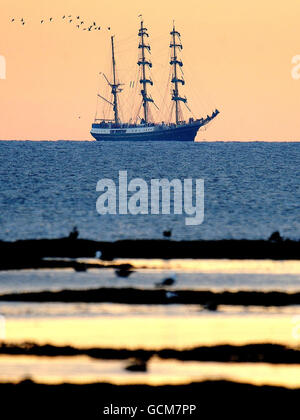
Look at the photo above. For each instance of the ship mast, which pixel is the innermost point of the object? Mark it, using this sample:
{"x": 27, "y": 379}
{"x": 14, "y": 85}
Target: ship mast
{"x": 114, "y": 85}
{"x": 176, "y": 45}
{"x": 144, "y": 62}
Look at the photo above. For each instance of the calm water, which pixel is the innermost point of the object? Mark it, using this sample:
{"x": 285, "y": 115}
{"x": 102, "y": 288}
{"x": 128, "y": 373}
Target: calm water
{"x": 251, "y": 189}
{"x": 67, "y": 369}
{"x": 217, "y": 275}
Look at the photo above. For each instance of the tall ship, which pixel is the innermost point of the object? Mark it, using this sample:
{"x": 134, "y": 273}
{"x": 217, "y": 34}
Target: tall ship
{"x": 143, "y": 128}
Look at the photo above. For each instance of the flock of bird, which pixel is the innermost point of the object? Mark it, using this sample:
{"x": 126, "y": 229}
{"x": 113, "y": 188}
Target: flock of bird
{"x": 77, "y": 20}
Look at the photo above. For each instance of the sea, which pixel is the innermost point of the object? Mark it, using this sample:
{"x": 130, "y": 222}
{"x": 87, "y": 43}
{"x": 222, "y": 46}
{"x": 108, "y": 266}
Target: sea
{"x": 251, "y": 189}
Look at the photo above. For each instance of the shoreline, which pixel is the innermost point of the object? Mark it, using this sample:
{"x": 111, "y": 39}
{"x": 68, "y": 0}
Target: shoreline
{"x": 30, "y": 253}
{"x": 249, "y": 353}
{"x": 210, "y": 300}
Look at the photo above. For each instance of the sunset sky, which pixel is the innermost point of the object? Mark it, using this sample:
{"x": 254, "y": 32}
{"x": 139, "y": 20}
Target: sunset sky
{"x": 237, "y": 56}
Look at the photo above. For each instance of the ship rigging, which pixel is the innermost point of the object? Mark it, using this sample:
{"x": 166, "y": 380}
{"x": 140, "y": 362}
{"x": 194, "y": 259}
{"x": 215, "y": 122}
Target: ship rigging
{"x": 146, "y": 130}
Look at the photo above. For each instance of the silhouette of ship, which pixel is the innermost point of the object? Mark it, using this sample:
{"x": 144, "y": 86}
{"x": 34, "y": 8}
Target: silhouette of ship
{"x": 146, "y": 130}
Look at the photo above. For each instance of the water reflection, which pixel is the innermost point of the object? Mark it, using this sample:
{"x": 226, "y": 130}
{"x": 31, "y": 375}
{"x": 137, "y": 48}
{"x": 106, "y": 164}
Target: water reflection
{"x": 81, "y": 369}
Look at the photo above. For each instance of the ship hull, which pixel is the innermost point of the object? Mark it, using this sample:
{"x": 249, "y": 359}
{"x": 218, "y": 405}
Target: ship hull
{"x": 186, "y": 133}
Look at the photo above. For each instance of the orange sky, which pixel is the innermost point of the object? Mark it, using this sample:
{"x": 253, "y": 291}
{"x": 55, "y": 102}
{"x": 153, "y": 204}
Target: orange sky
{"x": 237, "y": 54}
